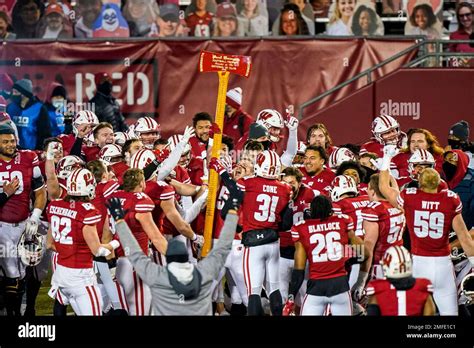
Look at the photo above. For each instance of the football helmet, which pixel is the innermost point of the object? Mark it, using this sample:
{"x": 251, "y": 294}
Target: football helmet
{"x": 173, "y": 141}
{"x": 81, "y": 182}
{"x": 110, "y": 154}
{"x": 396, "y": 262}
{"x": 31, "y": 248}
{"x": 146, "y": 125}
{"x": 84, "y": 117}
{"x": 271, "y": 118}
{"x": 467, "y": 287}
{"x": 419, "y": 157}
{"x": 142, "y": 158}
{"x": 340, "y": 155}
{"x": 384, "y": 124}
{"x": 268, "y": 165}
{"x": 341, "y": 185}
{"x": 121, "y": 138}
{"x": 67, "y": 164}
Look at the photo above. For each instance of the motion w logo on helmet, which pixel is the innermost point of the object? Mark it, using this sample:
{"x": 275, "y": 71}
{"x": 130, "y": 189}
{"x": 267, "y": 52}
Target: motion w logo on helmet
{"x": 223, "y": 65}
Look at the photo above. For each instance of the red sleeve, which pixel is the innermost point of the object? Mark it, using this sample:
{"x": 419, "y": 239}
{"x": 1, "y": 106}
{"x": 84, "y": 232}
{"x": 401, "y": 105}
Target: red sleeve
{"x": 457, "y": 203}
{"x": 110, "y": 187}
{"x": 336, "y": 208}
{"x": 401, "y": 199}
{"x": 167, "y": 191}
{"x": 369, "y": 214}
{"x": 349, "y": 222}
{"x": 144, "y": 204}
{"x": 295, "y": 234}
{"x": 91, "y": 215}
{"x": 241, "y": 184}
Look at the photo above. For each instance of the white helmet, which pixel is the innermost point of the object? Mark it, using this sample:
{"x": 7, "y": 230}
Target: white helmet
{"x": 173, "y": 141}
{"x": 341, "y": 185}
{"x": 81, "y": 182}
{"x": 383, "y": 124}
{"x": 396, "y": 262}
{"x": 110, "y": 153}
{"x": 268, "y": 165}
{"x": 84, "y": 117}
{"x": 121, "y": 138}
{"x": 67, "y": 164}
{"x": 31, "y": 251}
{"x": 467, "y": 287}
{"x": 340, "y": 155}
{"x": 142, "y": 158}
{"x": 419, "y": 157}
{"x": 147, "y": 125}
{"x": 271, "y": 118}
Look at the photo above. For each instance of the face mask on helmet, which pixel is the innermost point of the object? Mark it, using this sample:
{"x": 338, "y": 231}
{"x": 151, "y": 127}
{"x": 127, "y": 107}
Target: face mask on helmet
{"x": 31, "y": 251}
{"x": 386, "y": 130}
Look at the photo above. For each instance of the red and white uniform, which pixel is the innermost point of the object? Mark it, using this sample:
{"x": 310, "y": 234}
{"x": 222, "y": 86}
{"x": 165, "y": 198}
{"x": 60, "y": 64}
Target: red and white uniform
{"x": 353, "y": 207}
{"x": 393, "y": 302}
{"x": 320, "y": 183}
{"x": 372, "y": 146}
{"x": 399, "y": 165}
{"x": 138, "y": 294}
{"x": 196, "y": 165}
{"x": 298, "y": 205}
{"x": 68, "y": 142}
{"x": 159, "y": 191}
{"x": 103, "y": 192}
{"x": 263, "y": 203}
{"x": 74, "y": 275}
{"x": 324, "y": 242}
{"x": 391, "y": 224}
{"x": 200, "y": 26}
{"x": 15, "y": 212}
{"x": 91, "y": 152}
{"x": 429, "y": 219}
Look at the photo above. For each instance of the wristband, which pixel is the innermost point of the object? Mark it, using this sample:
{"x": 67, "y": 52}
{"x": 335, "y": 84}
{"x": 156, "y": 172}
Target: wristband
{"x": 36, "y": 214}
{"x": 114, "y": 244}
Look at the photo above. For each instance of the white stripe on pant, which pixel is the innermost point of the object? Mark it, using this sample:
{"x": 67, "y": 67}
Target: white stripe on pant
{"x": 137, "y": 293}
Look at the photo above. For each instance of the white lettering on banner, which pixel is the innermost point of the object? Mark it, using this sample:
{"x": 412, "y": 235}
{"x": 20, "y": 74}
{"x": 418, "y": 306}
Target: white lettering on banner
{"x": 37, "y": 331}
{"x": 131, "y": 82}
{"x": 401, "y": 109}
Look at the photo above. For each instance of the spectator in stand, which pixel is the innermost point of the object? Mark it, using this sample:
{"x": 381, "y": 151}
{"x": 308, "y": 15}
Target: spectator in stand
{"x": 5, "y": 27}
{"x": 110, "y": 23}
{"x": 366, "y": 22}
{"x": 392, "y": 7}
{"x": 106, "y": 106}
{"x": 236, "y": 120}
{"x": 306, "y": 14}
{"x": 89, "y": 10}
{"x": 418, "y": 138}
{"x": 339, "y": 21}
{"x": 54, "y": 24}
{"x": 140, "y": 16}
{"x": 30, "y": 116}
{"x": 200, "y": 19}
{"x": 464, "y": 16}
{"x": 57, "y": 108}
{"x": 458, "y": 139}
{"x": 291, "y": 22}
{"x": 168, "y": 23}
{"x": 252, "y": 21}
{"x": 423, "y": 22}
{"x": 319, "y": 135}
{"x": 320, "y": 8}
{"x": 26, "y": 17}
{"x": 226, "y": 23}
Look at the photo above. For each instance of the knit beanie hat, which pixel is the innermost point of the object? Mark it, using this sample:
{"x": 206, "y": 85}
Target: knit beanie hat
{"x": 25, "y": 87}
{"x": 176, "y": 252}
{"x": 234, "y": 98}
{"x": 460, "y": 130}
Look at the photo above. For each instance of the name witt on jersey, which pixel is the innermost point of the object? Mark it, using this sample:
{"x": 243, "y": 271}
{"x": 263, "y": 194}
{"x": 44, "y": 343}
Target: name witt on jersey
{"x": 429, "y": 205}
{"x": 270, "y": 189}
{"x": 63, "y": 212}
{"x": 330, "y": 226}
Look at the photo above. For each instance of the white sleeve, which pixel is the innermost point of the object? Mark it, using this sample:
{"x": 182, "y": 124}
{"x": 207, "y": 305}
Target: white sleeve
{"x": 172, "y": 161}
{"x": 291, "y": 148}
{"x": 192, "y": 212}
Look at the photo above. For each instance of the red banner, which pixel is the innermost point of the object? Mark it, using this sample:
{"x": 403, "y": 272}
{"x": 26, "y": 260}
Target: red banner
{"x": 160, "y": 77}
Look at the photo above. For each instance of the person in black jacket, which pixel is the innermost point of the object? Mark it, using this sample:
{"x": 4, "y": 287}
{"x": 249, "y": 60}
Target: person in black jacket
{"x": 106, "y": 106}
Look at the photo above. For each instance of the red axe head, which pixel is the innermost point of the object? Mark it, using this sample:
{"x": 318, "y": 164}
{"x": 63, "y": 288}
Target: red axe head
{"x": 217, "y": 62}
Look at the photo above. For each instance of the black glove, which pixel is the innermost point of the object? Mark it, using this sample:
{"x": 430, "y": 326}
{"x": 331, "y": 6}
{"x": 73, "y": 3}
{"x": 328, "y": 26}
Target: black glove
{"x": 233, "y": 202}
{"x": 115, "y": 208}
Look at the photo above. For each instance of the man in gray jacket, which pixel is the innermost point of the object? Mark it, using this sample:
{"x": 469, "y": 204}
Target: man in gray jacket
{"x": 179, "y": 288}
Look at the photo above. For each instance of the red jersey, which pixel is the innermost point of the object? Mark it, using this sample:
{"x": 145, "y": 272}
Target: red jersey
{"x": 400, "y": 163}
{"x": 320, "y": 183}
{"x": 196, "y": 165}
{"x": 429, "y": 219}
{"x": 23, "y": 166}
{"x": 298, "y": 205}
{"x": 159, "y": 191}
{"x": 401, "y": 182}
{"x": 68, "y": 142}
{"x": 67, "y": 222}
{"x": 263, "y": 202}
{"x": 103, "y": 192}
{"x": 393, "y": 302}
{"x": 391, "y": 223}
{"x": 363, "y": 187}
{"x": 372, "y": 146}
{"x": 232, "y": 124}
{"x": 91, "y": 152}
{"x": 135, "y": 203}
{"x": 200, "y": 26}
{"x": 119, "y": 170}
{"x": 324, "y": 243}
{"x": 353, "y": 206}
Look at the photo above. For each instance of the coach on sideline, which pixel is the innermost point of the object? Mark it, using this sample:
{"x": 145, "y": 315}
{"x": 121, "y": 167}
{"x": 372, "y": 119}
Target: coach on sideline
{"x": 179, "y": 288}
